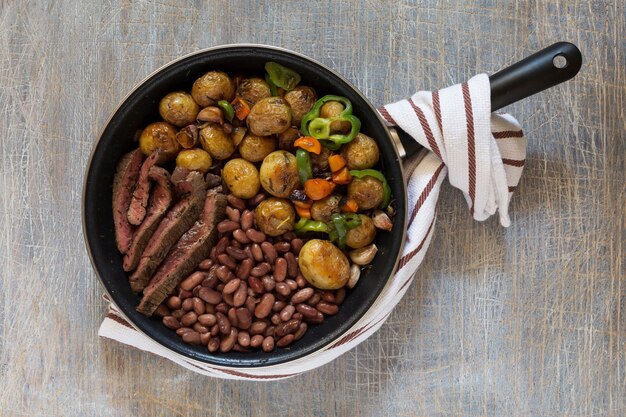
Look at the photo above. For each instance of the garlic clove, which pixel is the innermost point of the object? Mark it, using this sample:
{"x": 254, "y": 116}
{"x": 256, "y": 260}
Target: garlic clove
{"x": 381, "y": 220}
{"x": 211, "y": 114}
{"x": 364, "y": 255}
{"x": 355, "y": 274}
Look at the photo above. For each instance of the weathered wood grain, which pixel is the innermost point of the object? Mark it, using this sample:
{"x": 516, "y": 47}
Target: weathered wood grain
{"x": 524, "y": 321}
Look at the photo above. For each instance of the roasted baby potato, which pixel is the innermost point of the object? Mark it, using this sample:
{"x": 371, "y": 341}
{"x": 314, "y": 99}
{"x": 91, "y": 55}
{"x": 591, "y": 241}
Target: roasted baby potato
{"x": 275, "y": 216}
{"x": 253, "y": 90}
{"x": 241, "y": 178}
{"x": 254, "y": 148}
{"x": 161, "y": 136}
{"x": 269, "y": 116}
{"x": 178, "y": 108}
{"x": 363, "y": 234}
{"x": 213, "y": 87}
{"x": 216, "y": 142}
{"x": 279, "y": 173}
{"x": 322, "y": 209}
{"x": 194, "y": 160}
{"x": 301, "y": 99}
{"x": 334, "y": 109}
{"x": 323, "y": 265}
{"x": 368, "y": 192}
{"x": 361, "y": 152}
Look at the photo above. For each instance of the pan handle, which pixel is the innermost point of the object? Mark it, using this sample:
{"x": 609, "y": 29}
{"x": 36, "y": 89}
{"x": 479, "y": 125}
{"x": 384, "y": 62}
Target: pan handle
{"x": 553, "y": 65}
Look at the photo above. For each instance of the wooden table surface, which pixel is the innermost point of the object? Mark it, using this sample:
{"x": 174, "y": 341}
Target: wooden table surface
{"x": 524, "y": 321}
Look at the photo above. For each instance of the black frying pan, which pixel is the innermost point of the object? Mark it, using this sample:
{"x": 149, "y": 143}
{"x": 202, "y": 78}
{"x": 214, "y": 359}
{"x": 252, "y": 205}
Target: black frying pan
{"x": 140, "y": 108}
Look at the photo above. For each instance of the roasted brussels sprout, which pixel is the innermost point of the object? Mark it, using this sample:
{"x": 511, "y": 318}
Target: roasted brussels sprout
{"x": 361, "y": 152}
{"x": 279, "y": 173}
{"x": 241, "y": 178}
{"x": 162, "y": 136}
{"x": 212, "y": 87}
{"x": 194, "y": 160}
{"x": 253, "y": 90}
{"x": 178, "y": 108}
{"x": 275, "y": 216}
{"x": 254, "y": 148}
{"x": 323, "y": 265}
{"x": 334, "y": 109}
{"x": 324, "y": 208}
{"x": 367, "y": 192}
{"x": 216, "y": 142}
{"x": 269, "y": 116}
{"x": 301, "y": 100}
{"x": 363, "y": 234}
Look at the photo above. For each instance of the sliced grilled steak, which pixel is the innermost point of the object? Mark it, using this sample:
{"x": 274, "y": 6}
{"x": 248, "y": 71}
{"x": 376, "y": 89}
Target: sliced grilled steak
{"x": 160, "y": 201}
{"x": 139, "y": 201}
{"x": 212, "y": 180}
{"x": 123, "y": 184}
{"x": 184, "y": 257}
{"x": 178, "y": 178}
{"x": 176, "y": 222}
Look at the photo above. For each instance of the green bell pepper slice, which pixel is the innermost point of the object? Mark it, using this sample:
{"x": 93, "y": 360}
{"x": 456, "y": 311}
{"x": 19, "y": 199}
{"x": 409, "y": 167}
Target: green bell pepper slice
{"x": 319, "y": 127}
{"x": 229, "y": 111}
{"x": 306, "y": 225}
{"x": 281, "y": 76}
{"x": 380, "y": 177}
{"x": 303, "y": 162}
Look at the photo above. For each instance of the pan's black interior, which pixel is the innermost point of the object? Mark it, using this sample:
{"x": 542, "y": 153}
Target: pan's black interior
{"x": 141, "y": 108}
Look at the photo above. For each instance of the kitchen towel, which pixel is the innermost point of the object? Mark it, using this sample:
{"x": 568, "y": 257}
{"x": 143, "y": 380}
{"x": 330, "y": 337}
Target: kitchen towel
{"x": 483, "y": 155}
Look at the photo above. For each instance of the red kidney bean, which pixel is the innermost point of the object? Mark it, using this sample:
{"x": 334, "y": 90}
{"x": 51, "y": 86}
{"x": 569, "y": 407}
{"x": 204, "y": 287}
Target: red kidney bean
{"x": 198, "y": 327}
{"x": 215, "y": 330}
{"x": 222, "y": 308}
{"x": 198, "y": 305}
{"x": 174, "y": 302}
{"x": 206, "y": 264}
{"x": 254, "y": 201}
{"x": 297, "y": 315}
{"x": 226, "y": 226}
{"x": 247, "y": 220}
{"x": 213, "y": 254}
{"x": 296, "y": 245}
{"x": 222, "y": 273}
{"x": 314, "y": 299}
{"x": 171, "y": 322}
{"x": 264, "y": 307}
{"x": 256, "y": 285}
{"x": 236, "y": 253}
{"x": 239, "y": 297}
{"x": 287, "y": 312}
{"x": 209, "y": 308}
{"x": 241, "y": 237}
{"x": 232, "y": 317}
{"x": 250, "y": 303}
{"x": 301, "y": 281}
{"x": 207, "y": 319}
{"x": 243, "y": 338}
{"x": 328, "y": 296}
{"x": 287, "y": 327}
{"x": 256, "y": 236}
{"x": 233, "y": 214}
{"x": 292, "y": 265}
{"x": 221, "y": 245}
{"x": 283, "y": 289}
{"x": 189, "y": 319}
{"x": 226, "y": 260}
{"x": 236, "y": 202}
{"x": 319, "y": 317}
{"x": 275, "y": 319}
{"x": 183, "y": 330}
{"x": 289, "y": 235}
{"x": 261, "y": 269}
{"x": 258, "y": 327}
{"x": 192, "y": 281}
{"x": 292, "y": 284}
{"x": 285, "y": 340}
{"x": 268, "y": 283}
{"x": 282, "y": 247}
{"x": 231, "y": 286}
{"x": 204, "y": 338}
{"x": 307, "y": 311}
{"x": 229, "y": 341}
{"x": 280, "y": 269}
{"x": 327, "y": 308}
{"x": 209, "y": 295}
{"x": 256, "y": 340}
{"x": 301, "y": 331}
{"x": 223, "y": 323}
{"x": 184, "y": 294}
{"x": 302, "y": 295}
{"x": 268, "y": 344}
{"x": 214, "y": 344}
{"x": 257, "y": 252}
{"x": 244, "y": 318}
{"x": 177, "y": 314}
{"x": 228, "y": 299}
{"x": 269, "y": 331}
{"x": 278, "y": 306}
{"x": 340, "y": 295}
{"x": 210, "y": 281}
{"x": 243, "y": 269}
{"x": 220, "y": 287}
{"x": 161, "y": 311}
{"x": 269, "y": 252}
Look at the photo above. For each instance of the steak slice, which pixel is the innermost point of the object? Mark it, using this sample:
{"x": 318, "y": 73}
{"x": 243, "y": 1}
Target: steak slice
{"x": 139, "y": 201}
{"x": 123, "y": 184}
{"x": 176, "y": 222}
{"x": 160, "y": 201}
{"x": 184, "y": 257}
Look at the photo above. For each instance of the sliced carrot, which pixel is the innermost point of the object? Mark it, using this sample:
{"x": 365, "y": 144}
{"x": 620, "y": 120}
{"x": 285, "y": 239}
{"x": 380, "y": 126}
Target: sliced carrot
{"x": 281, "y": 92}
{"x": 241, "y": 107}
{"x": 336, "y": 162}
{"x": 303, "y": 212}
{"x": 342, "y": 176}
{"x": 317, "y": 188}
{"x": 309, "y": 144}
{"x": 303, "y": 204}
{"x": 348, "y": 205}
